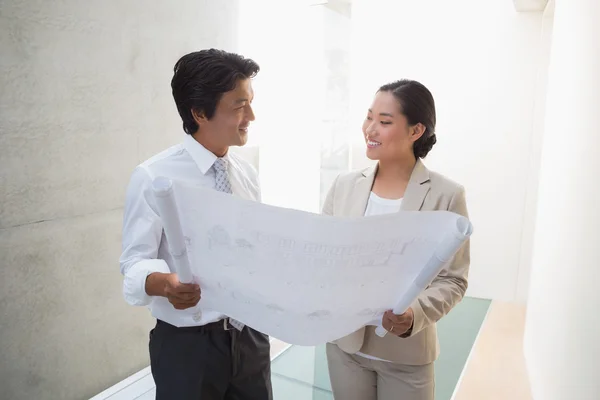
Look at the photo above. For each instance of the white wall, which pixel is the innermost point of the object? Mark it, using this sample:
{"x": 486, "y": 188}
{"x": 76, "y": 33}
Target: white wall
{"x": 532, "y": 179}
{"x": 562, "y": 329}
{"x": 481, "y": 62}
{"x": 301, "y": 99}
{"x": 286, "y": 39}
{"x": 84, "y": 97}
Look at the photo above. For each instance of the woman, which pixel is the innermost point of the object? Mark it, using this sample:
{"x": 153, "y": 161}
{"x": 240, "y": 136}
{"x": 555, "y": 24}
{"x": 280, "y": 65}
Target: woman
{"x": 399, "y": 131}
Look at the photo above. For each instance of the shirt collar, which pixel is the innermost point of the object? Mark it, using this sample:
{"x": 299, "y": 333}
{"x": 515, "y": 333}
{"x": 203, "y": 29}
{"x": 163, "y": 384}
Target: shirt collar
{"x": 203, "y": 158}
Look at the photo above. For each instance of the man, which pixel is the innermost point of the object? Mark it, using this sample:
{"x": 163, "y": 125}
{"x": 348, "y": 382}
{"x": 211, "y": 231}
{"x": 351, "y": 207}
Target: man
{"x": 196, "y": 353}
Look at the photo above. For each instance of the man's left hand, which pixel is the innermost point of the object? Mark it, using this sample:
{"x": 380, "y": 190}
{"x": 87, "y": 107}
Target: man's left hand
{"x": 398, "y": 324}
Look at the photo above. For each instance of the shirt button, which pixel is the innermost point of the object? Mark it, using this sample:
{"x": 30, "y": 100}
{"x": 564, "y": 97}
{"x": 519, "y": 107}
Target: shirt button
{"x": 197, "y": 317}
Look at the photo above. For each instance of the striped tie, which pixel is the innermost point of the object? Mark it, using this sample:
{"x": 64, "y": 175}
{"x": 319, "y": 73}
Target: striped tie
{"x": 222, "y": 184}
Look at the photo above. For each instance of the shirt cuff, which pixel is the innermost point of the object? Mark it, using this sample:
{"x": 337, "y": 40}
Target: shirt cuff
{"x": 134, "y": 282}
{"x": 419, "y": 320}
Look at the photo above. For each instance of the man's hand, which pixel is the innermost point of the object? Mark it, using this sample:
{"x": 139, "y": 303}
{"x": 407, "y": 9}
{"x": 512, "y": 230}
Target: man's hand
{"x": 180, "y": 295}
{"x": 398, "y": 324}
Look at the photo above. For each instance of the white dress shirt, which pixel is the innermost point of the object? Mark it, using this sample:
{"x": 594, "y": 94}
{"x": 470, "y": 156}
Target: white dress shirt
{"x": 145, "y": 247}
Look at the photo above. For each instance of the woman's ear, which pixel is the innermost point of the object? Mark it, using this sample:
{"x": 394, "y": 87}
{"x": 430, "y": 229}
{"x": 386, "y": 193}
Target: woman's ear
{"x": 416, "y": 131}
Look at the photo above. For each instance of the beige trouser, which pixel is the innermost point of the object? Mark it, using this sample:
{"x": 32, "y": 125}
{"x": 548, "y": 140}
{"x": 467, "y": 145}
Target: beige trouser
{"x": 359, "y": 378}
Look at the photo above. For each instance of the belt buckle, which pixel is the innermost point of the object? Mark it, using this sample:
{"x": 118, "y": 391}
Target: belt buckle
{"x": 226, "y": 324}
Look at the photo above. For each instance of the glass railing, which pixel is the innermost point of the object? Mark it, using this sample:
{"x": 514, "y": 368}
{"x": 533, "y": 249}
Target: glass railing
{"x": 300, "y": 373}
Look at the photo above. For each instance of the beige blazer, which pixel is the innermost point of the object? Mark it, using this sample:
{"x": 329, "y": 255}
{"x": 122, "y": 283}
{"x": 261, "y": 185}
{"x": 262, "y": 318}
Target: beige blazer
{"x": 426, "y": 191}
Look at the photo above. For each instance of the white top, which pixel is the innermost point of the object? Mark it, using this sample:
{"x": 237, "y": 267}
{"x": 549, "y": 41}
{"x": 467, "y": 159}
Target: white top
{"x": 145, "y": 248}
{"x": 378, "y": 206}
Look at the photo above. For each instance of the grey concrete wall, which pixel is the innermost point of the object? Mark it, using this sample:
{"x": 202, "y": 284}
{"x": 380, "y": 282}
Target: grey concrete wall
{"x": 84, "y": 96}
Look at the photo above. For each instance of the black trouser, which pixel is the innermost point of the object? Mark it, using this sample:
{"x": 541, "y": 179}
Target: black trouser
{"x": 211, "y": 362}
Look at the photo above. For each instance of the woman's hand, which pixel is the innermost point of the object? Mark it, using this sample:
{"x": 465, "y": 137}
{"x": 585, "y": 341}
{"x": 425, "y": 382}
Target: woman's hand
{"x": 398, "y": 324}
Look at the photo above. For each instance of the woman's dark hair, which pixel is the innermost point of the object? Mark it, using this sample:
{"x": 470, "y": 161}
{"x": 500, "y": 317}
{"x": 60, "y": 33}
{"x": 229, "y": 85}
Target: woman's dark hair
{"x": 202, "y": 77}
{"x": 417, "y": 106}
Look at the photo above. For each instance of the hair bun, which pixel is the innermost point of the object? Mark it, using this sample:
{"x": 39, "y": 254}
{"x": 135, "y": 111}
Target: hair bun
{"x": 422, "y": 146}
{"x": 432, "y": 139}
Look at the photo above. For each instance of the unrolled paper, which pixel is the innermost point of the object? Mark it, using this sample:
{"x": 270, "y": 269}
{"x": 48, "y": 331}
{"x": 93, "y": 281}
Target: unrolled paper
{"x": 303, "y": 278}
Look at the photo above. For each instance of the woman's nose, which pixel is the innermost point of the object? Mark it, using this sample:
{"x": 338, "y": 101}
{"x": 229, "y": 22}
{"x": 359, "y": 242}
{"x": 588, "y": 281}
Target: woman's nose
{"x": 371, "y": 132}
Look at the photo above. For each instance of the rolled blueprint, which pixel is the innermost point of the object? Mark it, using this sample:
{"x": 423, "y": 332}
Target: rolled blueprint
{"x": 167, "y": 208}
{"x": 258, "y": 260}
{"x": 443, "y": 254}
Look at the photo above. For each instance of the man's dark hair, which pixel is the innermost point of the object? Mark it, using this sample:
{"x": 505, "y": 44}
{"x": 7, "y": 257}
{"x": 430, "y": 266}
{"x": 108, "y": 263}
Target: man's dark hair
{"x": 202, "y": 77}
{"x": 417, "y": 106}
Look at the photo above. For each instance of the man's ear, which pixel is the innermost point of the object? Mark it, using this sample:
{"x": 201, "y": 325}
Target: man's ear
{"x": 199, "y": 116}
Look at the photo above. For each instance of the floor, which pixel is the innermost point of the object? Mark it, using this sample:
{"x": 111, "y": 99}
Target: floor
{"x": 496, "y": 369}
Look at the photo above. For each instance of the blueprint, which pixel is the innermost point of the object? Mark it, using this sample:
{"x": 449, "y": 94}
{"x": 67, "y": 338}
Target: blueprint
{"x": 300, "y": 277}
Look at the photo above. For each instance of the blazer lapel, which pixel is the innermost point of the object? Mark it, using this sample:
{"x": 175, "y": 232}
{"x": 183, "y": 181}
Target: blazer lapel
{"x": 362, "y": 188}
{"x": 417, "y": 189}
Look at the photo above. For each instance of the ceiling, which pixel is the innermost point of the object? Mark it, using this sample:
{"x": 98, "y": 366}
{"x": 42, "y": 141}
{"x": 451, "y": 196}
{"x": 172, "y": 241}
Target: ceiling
{"x": 520, "y": 5}
{"x": 530, "y": 5}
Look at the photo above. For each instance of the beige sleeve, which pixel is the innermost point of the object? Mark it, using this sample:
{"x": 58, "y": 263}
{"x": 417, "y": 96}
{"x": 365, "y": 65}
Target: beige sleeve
{"x": 449, "y": 287}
